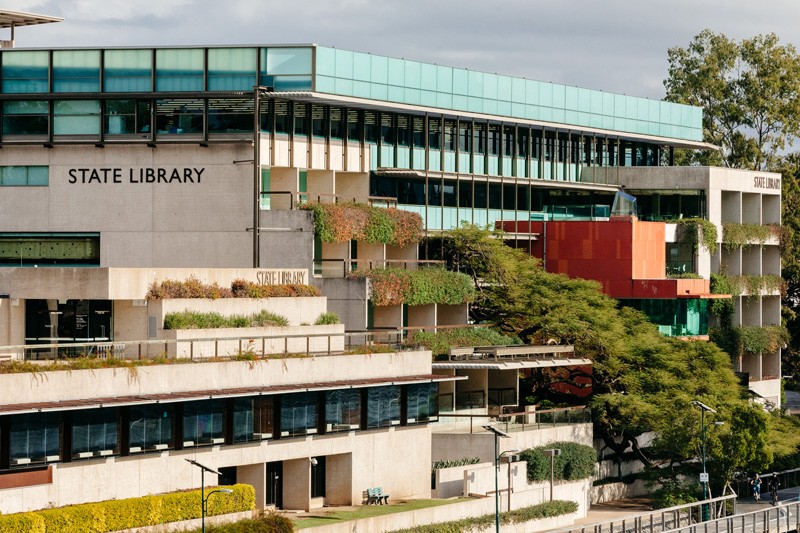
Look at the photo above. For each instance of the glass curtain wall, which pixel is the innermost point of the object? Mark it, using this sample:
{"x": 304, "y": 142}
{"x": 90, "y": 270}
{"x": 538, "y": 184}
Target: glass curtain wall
{"x": 34, "y": 438}
{"x": 150, "y": 427}
{"x": 95, "y": 433}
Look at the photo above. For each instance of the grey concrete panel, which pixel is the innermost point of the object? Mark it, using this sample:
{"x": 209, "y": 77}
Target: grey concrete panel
{"x": 287, "y": 239}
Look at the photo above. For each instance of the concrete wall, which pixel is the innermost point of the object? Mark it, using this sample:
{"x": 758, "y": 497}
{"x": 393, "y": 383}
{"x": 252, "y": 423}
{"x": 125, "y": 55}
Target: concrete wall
{"x": 348, "y": 299}
{"x": 617, "y": 491}
{"x": 287, "y": 239}
{"x": 12, "y": 322}
{"x": 298, "y": 310}
{"x": 179, "y": 224}
{"x": 112, "y": 382}
{"x": 329, "y": 339}
{"x": 453, "y": 446}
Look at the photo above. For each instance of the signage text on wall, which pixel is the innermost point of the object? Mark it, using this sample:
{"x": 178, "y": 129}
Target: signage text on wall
{"x": 297, "y": 276}
{"x": 136, "y": 175}
{"x": 762, "y": 182}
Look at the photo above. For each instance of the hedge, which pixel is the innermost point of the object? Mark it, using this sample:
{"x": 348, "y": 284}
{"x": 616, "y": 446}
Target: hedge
{"x": 439, "y": 343}
{"x": 113, "y": 515}
{"x": 194, "y": 288}
{"x": 394, "y": 286}
{"x": 212, "y": 320}
{"x": 575, "y": 462}
{"x": 362, "y": 222}
{"x": 517, "y": 516}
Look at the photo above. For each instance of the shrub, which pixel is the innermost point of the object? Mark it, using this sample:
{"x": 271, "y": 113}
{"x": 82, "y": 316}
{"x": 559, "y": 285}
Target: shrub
{"x": 394, "y": 286}
{"x": 575, "y": 462}
{"x": 361, "y": 222}
{"x": 744, "y": 235}
{"x": 464, "y": 461}
{"x": 327, "y": 318}
{"x": 211, "y": 320}
{"x": 525, "y": 514}
{"x": 699, "y": 232}
{"x": 114, "y": 515}
{"x": 266, "y": 522}
{"x": 440, "y": 342}
{"x": 193, "y": 288}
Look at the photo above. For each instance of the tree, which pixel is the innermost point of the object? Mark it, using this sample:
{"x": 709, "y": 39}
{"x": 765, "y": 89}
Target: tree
{"x": 642, "y": 382}
{"x": 749, "y": 92}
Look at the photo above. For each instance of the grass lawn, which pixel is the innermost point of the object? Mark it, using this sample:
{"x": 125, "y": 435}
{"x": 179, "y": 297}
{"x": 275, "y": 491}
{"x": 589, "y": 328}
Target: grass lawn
{"x": 324, "y": 516}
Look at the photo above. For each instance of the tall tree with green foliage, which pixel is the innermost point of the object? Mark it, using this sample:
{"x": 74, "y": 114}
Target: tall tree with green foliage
{"x": 749, "y": 92}
{"x": 642, "y": 382}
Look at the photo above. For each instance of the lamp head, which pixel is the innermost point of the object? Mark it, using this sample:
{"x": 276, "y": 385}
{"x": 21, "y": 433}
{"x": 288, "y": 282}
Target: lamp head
{"x": 702, "y": 406}
{"x": 497, "y": 432}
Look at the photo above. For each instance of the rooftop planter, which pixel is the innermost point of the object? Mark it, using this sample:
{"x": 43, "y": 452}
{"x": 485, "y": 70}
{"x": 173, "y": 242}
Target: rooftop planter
{"x": 362, "y": 222}
{"x": 395, "y": 286}
{"x": 194, "y": 288}
{"x": 734, "y": 235}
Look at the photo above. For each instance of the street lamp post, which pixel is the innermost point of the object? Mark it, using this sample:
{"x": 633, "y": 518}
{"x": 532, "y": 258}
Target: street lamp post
{"x": 203, "y": 499}
{"x": 552, "y": 453}
{"x": 704, "y": 477}
{"x": 205, "y": 506}
{"x": 510, "y": 455}
{"x": 497, "y": 434}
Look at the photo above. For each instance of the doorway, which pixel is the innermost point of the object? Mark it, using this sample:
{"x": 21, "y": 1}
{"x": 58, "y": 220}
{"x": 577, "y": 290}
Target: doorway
{"x": 274, "y": 486}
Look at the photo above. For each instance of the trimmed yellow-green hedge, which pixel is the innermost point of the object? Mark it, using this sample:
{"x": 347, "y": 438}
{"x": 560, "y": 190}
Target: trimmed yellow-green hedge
{"x": 113, "y": 515}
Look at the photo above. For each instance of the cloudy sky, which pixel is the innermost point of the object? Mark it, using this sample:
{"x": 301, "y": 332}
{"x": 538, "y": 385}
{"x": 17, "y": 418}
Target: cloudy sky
{"x": 613, "y": 45}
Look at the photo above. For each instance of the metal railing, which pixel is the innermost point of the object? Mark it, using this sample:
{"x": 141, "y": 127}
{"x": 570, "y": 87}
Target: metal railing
{"x": 676, "y": 518}
{"x": 530, "y": 420}
{"x": 339, "y": 268}
{"x": 289, "y": 200}
{"x": 212, "y": 347}
{"x": 782, "y": 517}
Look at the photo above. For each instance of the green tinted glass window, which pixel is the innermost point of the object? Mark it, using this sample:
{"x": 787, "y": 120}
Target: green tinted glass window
{"x": 128, "y": 70}
{"x": 231, "y": 69}
{"x": 179, "y": 69}
{"x": 25, "y": 72}
{"x": 76, "y": 117}
{"x": 76, "y": 71}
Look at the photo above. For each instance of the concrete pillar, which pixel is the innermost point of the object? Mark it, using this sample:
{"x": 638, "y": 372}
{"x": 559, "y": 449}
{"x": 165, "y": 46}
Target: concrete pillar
{"x": 403, "y": 253}
{"x": 255, "y": 475}
{"x": 297, "y": 484}
{"x": 352, "y": 186}
{"x": 422, "y": 316}
{"x": 388, "y": 316}
{"x": 283, "y": 180}
{"x": 321, "y": 186}
{"x": 451, "y": 315}
{"x": 371, "y": 255}
{"x": 339, "y": 479}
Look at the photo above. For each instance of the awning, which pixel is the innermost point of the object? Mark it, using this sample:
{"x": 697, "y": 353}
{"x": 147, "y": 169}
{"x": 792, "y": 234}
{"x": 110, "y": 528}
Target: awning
{"x": 380, "y": 105}
{"x": 118, "y": 401}
{"x": 19, "y": 18}
{"x": 516, "y": 364}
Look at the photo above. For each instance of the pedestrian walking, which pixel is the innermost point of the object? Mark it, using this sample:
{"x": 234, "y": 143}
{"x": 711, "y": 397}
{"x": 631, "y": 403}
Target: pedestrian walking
{"x": 755, "y": 483}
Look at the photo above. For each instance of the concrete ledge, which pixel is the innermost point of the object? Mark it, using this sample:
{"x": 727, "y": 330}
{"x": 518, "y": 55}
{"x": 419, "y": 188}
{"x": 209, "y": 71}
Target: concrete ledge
{"x": 190, "y": 525}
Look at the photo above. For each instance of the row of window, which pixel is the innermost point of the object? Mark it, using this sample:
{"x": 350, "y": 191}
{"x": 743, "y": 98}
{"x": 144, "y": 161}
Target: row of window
{"x": 145, "y": 70}
{"x": 24, "y": 176}
{"x": 39, "y": 438}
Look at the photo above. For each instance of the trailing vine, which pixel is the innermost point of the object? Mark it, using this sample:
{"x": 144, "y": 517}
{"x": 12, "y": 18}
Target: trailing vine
{"x": 394, "y": 286}
{"x": 698, "y": 232}
{"x": 750, "y": 339}
{"x": 735, "y": 235}
{"x": 362, "y": 222}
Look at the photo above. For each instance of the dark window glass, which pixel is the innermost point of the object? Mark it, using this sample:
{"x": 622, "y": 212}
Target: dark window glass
{"x": 387, "y": 128}
{"x": 34, "y": 438}
{"x": 230, "y": 115}
{"x": 465, "y": 193}
{"x": 300, "y": 119}
{"x": 495, "y": 200}
{"x": 371, "y": 130}
{"x": 337, "y": 123}
{"x": 418, "y": 124}
{"x": 494, "y": 139}
{"x": 450, "y": 135}
{"x": 319, "y": 121}
{"x": 479, "y": 138}
{"x": 342, "y": 410}
{"x": 150, "y": 427}
{"x": 434, "y": 133}
{"x": 128, "y": 117}
{"x": 354, "y": 121}
{"x": 25, "y": 118}
{"x": 480, "y": 193}
{"x": 508, "y": 141}
{"x": 202, "y": 423}
{"x": 95, "y": 433}
{"x": 523, "y": 138}
{"x": 411, "y": 192}
{"x": 403, "y": 130}
{"x": 509, "y": 200}
{"x": 449, "y": 193}
{"x": 383, "y": 406}
{"x": 299, "y": 414}
{"x": 253, "y": 419}
{"x": 423, "y": 405}
{"x": 434, "y": 192}
{"x": 282, "y": 123}
{"x": 464, "y": 137}
{"x": 179, "y": 116}
{"x": 523, "y": 198}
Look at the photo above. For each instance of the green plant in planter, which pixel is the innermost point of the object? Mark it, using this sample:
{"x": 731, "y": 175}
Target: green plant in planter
{"x": 699, "y": 232}
{"x": 326, "y": 319}
{"x": 734, "y": 235}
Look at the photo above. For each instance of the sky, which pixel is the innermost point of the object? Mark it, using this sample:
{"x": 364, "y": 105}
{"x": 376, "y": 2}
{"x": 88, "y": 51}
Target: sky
{"x": 612, "y": 45}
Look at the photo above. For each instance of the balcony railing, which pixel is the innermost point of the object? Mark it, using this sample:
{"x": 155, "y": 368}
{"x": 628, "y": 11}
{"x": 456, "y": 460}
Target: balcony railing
{"x": 289, "y": 200}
